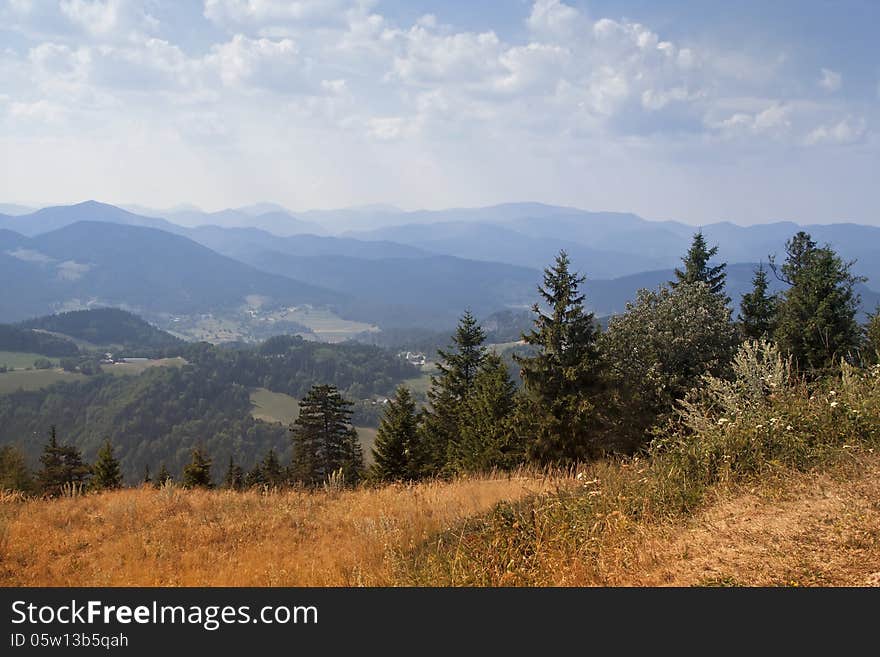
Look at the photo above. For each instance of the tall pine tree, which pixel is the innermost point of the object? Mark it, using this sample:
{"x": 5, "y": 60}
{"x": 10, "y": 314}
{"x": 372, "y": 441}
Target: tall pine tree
{"x": 324, "y": 441}
{"x": 197, "y": 473}
{"x": 397, "y": 453}
{"x": 234, "y": 477}
{"x": 697, "y": 268}
{"x": 757, "y": 317}
{"x": 163, "y": 477}
{"x": 559, "y": 417}
{"x": 273, "y": 473}
{"x": 817, "y": 315}
{"x": 458, "y": 367}
{"x": 14, "y": 472}
{"x": 62, "y": 465}
{"x": 106, "y": 474}
{"x": 487, "y": 437}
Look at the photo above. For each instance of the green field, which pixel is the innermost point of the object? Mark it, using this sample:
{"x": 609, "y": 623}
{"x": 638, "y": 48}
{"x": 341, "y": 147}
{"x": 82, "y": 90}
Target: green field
{"x": 274, "y": 406}
{"x": 367, "y": 436}
{"x": 327, "y": 326}
{"x": 501, "y": 347}
{"x": 20, "y": 360}
{"x": 254, "y": 323}
{"x": 420, "y": 385}
{"x": 136, "y": 367}
{"x": 34, "y": 379}
{"x": 277, "y": 407}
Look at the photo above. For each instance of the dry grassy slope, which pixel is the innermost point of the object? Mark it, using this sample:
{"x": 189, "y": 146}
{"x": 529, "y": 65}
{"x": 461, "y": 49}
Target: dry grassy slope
{"x": 175, "y": 537}
{"x": 820, "y": 529}
{"x": 797, "y": 529}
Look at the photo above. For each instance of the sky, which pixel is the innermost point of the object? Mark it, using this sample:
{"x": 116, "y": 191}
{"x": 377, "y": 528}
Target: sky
{"x": 691, "y": 110}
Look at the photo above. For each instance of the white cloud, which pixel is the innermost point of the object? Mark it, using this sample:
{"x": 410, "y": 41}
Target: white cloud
{"x": 554, "y": 20}
{"x": 657, "y": 100}
{"x": 846, "y": 131}
{"x": 108, "y": 17}
{"x": 430, "y": 59}
{"x": 293, "y": 77}
{"x": 53, "y": 59}
{"x": 830, "y": 81}
{"x": 263, "y": 63}
{"x": 386, "y": 128}
{"x": 275, "y": 15}
{"x": 531, "y": 68}
{"x": 773, "y": 121}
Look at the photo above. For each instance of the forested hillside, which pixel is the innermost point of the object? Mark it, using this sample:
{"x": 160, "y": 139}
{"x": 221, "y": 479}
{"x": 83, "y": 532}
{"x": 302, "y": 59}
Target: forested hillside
{"x": 134, "y": 267}
{"x": 160, "y": 415}
{"x": 13, "y": 338}
{"x": 107, "y": 327}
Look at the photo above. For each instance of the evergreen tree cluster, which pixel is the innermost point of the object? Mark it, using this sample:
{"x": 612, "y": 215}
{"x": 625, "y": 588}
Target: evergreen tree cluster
{"x": 588, "y": 392}
{"x": 585, "y": 392}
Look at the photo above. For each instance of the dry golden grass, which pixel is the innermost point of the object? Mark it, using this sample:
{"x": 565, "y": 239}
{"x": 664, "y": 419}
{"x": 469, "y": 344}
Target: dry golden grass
{"x": 819, "y": 528}
{"x": 794, "y": 529}
{"x": 175, "y": 537}
{"x": 788, "y": 528}
{"x": 814, "y": 529}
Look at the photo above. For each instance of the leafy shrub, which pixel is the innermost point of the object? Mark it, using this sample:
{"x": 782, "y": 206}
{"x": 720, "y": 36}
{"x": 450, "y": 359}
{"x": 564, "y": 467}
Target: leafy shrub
{"x": 767, "y": 417}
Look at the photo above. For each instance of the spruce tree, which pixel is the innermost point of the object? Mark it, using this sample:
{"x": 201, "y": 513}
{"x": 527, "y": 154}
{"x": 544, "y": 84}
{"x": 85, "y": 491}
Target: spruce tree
{"x": 62, "y": 465}
{"x": 397, "y": 450}
{"x": 697, "y": 269}
{"x": 757, "y": 318}
{"x": 273, "y": 473}
{"x": 163, "y": 477}
{"x": 254, "y": 477}
{"x": 561, "y": 377}
{"x": 147, "y": 478}
{"x": 487, "y": 437}
{"x": 458, "y": 367}
{"x": 817, "y": 315}
{"x": 798, "y": 251}
{"x": 106, "y": 474}
{"x": 459, "y": 364}
{"x": 197, "y": 473}
{"x": 234, "y": 478}
{"x": 14, "y": 472}
{"x": 324, "y": 441}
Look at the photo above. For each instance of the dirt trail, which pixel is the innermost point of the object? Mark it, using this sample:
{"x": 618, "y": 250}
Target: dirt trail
{"x": 810, "y": 530}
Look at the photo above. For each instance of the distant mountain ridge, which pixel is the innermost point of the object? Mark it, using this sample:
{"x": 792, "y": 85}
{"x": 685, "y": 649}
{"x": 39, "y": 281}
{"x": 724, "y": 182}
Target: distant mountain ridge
{"x": 602, "y": 244}
{"x": 421, "y": 268}
{"x": 609, "y": 245}
{"x": 133, "y": 267}
{"x": 55, "y": 217}
{"x": 404, "y": 292}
